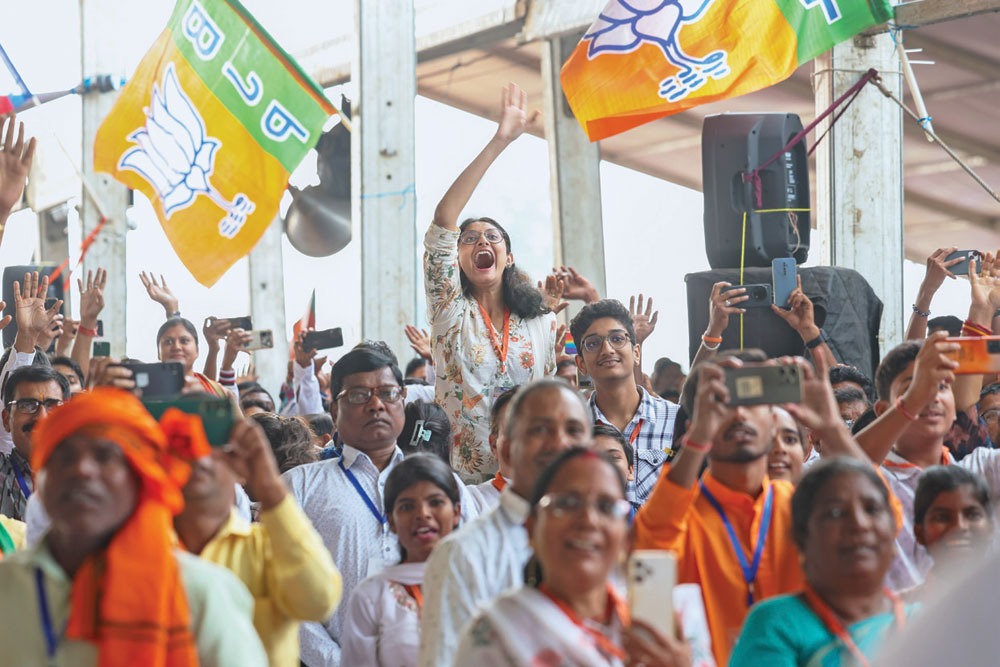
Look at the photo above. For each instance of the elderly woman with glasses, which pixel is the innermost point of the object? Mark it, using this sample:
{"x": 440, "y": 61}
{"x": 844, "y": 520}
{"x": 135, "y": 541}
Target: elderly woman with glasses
{"x": 569, "y": 613}
{"x": 490, "y": 328}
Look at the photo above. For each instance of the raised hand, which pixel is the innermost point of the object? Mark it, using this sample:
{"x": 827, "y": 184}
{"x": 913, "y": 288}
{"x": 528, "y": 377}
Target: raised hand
{"x": 54, "y": 331}
{"x": 7, "y": 319}
{"x": 67, "y": 336}
{"x": 215, "y": 330}
{"x": 15, "y": 162}
{"x": 159, "y": 292}
{"x": 561, "y": 340}
{"x": 552, "y": 291}
{"x": 938, "y": 269}
{"x": 931, "y": 369}
{"x": 32, "y": 317}
{"x": 710, "y": 411}
{"x": 250, "y": 457}
{"x": 514, "y": 117}
{"x": 419, "y": 341}
{"x": 92, "y": 297}
{"x": 643, "y": 322}
{"x": 800, "y": 314}
{"x": 303, "y": 357}
{"x": 577, "y": 287}
{"x": 235, "y": 341}
{"x": 721, "y": 306}
{"x": 249, "y": 375}
{"x": 106, "y": 371}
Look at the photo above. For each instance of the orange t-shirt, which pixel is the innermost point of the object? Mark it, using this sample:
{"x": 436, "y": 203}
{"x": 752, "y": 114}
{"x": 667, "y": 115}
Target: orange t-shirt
{"x": 684, "y": 521}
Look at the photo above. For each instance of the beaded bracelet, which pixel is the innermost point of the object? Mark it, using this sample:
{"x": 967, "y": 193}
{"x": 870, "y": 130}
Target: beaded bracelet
{"x": 920, "y": 312}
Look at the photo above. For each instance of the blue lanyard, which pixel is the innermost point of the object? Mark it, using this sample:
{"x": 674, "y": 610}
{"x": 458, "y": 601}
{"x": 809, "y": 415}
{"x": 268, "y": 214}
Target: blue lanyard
{"x": 749, "y": 570}
{"x": 51, "y": 641}
{"x": 20, "y": 479}
{"x": 364, "y": 495}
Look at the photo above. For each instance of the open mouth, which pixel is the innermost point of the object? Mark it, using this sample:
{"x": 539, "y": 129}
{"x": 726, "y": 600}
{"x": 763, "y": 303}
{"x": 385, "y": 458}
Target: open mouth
{"x": 425, "y": 533}
{"x": 484, "y": 260}
{"x": 608, "y": 362}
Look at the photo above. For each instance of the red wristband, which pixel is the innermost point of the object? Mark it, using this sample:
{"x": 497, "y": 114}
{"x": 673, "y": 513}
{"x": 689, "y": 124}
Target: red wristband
{"x": 84, "y": 331}
{"x": 970, "y": 328}
{"x": 688, "y": 443}
{"x": 899, "y": 406}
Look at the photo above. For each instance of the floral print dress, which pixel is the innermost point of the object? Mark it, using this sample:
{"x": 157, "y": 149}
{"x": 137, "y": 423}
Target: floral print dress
{"x": 469, "y": 372}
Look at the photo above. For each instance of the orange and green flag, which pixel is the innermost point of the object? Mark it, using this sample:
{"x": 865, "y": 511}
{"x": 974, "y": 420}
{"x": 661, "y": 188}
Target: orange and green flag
{"x": 210, "y": 126}
{"x": 645, "y": 59}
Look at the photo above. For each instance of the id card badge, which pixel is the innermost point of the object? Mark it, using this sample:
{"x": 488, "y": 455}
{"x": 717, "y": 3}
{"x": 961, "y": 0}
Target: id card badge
{"x": 375, "y": 565}
{"x": 497, "y": 391}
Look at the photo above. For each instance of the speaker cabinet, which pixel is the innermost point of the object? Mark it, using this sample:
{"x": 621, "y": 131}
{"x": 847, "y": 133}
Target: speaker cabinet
{"x": 733, "y": 144}
{"x": 12, "y": 273}
{"x": 844, "y": 304}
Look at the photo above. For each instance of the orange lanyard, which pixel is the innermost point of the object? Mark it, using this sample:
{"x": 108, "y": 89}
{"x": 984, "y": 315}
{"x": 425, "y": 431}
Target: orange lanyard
{"x": 501, "y": 350}
{"x": 635, "y": 433}
{"x": 833, "y": 624}
{"x": 416, "y": 594}
{"x": 498, "y": 482}
{"x": 615, "y": 606}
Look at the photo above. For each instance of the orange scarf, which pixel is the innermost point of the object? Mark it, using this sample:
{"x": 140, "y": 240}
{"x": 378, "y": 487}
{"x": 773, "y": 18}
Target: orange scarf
{"x": 129, "y": 599}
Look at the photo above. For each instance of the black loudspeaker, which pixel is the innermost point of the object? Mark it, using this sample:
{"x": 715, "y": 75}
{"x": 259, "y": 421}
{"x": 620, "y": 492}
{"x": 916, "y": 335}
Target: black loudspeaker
{"x": 733, "y": 144}
{"x": 12, "y": 273}
{"x": 844, "y": 304}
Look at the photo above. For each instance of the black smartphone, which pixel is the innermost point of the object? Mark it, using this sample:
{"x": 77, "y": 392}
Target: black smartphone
{"x": 102, "y": 348}
{"x": 51, "y": 302}
{"x": 244, "y": 323}
{"x": 967, "y": 256}
{"x": 164, "y": 378}
{"x": 216, "y": 414}
{"x": 759, "y": 293}
{"x": 764, "y": 384}
{"x": 322, "y": 340}
{"x": 100, "y": 328}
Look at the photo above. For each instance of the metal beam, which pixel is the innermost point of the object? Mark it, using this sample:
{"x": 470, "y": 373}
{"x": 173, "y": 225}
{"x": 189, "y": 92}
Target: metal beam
{"x": 952, "y": 210}
{"x": 267, "y": 305}
{"x": 383, "y": 191}
{"x": 965, "y": 59}
{"x": 98, "y": 55}
{"x": 860, "y": 175}
{"x": 928, "y": 12}
{"x": 574, "y": 175}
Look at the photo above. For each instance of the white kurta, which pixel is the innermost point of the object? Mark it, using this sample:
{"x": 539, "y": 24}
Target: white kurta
{"x": 382, "y": 621}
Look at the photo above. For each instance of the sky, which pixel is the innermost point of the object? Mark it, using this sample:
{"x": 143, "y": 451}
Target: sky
{"x": 653, "y": 230}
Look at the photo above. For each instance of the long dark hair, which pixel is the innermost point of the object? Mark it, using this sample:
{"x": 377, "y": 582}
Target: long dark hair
{"x": 523, "y": 299}
{"x": 435, "y": 435}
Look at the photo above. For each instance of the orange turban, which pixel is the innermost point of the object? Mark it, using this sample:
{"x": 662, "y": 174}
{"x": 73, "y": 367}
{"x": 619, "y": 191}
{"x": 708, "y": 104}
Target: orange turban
{"x": 129, "y": 599}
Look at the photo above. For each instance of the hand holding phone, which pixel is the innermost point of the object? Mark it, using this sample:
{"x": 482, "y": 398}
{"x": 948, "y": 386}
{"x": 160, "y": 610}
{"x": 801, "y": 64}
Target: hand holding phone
{"x": 784, "y": 280}
{"x": 216, "y": 413}
{"x": 322, "y": 340}
{"x": 976, "y": 354}
{"x": 651, "y": 575}
{"x": 164, "y": 378}
{"x": 764, "y": 384}
{"x": 261, "y": 339}
{"x": 102, "y": 348}
{"x": 758, "y": 295}
{"x": 960, "y": 261}
{"x": 250, "y": 456}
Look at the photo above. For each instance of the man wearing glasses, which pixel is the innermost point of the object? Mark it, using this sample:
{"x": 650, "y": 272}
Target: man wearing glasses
{"x": 343, "y": 496}
{"x": 28, "y": 395}
{"x": 608, "y": 353}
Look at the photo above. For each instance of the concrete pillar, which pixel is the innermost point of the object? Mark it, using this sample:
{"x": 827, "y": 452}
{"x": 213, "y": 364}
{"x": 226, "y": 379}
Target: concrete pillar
{"x": 382, "y": 167}
{"x": 859, "y": 175}
{"x": 267, "y": 306}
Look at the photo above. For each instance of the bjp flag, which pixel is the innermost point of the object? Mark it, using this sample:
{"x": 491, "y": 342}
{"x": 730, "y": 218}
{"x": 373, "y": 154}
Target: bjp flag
{"x": 209, "y": 127}
{"x": 646, "y": 59}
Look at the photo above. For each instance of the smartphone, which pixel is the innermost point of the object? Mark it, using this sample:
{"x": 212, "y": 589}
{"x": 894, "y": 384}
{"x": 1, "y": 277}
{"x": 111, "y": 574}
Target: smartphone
{"x": 651, "y": 576}
{"x": 764, "y": 384}
{"x": 51, "y": 302}
{"x": 100, "y": 328}
{"x": 783, "y": 280}
{"x": 102, "y": 348}
{"x": 244, "y": 323}
{"x": 216, "y": 413}
{"x": 164, "y": 378}
{"x": 262, "y": 339}
{"x": 962, "y": 268}
{"x": 321, "y": 340}
{"x": 759, "y": 293}
{"x": 976, "y": 354}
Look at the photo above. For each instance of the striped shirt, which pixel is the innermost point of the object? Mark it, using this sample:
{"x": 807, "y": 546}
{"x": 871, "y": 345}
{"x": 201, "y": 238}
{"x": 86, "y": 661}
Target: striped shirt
{"x": 651, "y": 432}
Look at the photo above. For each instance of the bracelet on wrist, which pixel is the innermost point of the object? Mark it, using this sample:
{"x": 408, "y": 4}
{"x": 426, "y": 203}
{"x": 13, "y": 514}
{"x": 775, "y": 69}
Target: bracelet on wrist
{"x": 86, "y": 331}
{"x": 970, "y": 328}
{"x": 920, "y": 312}
{"x": 708, "y": 341}
{"x": 815, "y": 342}
{"x": 688, "y": 443}
{"x": 174, "y": 314}
{"x": 903, "y": 411}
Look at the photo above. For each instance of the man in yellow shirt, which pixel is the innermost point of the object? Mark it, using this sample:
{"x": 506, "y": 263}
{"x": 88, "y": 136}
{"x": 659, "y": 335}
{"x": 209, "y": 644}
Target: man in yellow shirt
{"x": 282, "y": 560}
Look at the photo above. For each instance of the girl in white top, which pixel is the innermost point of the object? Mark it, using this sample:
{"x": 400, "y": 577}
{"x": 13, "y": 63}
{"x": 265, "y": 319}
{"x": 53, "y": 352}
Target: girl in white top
{"x": 568, "y": 613}
{"x": 382, "y": 624}
{"x": 491, "y": 328}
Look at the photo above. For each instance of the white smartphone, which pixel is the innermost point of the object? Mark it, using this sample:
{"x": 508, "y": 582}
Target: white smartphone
{"x": 261, "y": 339}
{"x": 652, "y": 574}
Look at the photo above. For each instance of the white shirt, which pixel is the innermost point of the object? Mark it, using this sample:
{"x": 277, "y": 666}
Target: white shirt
{"x": 469, "y": 568}
{"x": 14, "y": 360}
{"x": 382, "y": 621}
{"x": 485, "y": 495}
{"x": 308, "y": 400}
{"x": 360, "y": 545}
{"x": 912, "y": 560}
{"x": 419, "y": 392}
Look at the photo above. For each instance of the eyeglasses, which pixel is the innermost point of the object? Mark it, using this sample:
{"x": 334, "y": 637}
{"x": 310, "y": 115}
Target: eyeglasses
{"x": 850, "y": 422}
{"x": 564, "y": 504}
{"x": 991, "y": 415}
{"x": 361, "y": 395}
{"x": 617, "y": 339}
{"x": 29, "y": 406}
{"x": 471, "y": 236}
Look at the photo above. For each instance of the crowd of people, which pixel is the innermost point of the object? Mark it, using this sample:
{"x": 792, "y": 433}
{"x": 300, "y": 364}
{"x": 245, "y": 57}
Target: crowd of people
{"x": 477, "y": 505}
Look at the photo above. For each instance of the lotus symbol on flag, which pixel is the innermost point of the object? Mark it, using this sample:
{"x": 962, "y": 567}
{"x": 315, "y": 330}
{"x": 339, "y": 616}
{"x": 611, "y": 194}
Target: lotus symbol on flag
{"x": 177, "y": 158}
{"x": 625, "y": 25}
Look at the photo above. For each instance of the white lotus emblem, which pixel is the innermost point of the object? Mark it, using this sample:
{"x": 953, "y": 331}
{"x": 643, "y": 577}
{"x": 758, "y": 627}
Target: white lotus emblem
{"x": 177, "y": 158}
{"x": 625, "y": 25}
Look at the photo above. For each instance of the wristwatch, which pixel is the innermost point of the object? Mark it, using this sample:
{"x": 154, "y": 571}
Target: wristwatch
{"x": 815, "y": 342}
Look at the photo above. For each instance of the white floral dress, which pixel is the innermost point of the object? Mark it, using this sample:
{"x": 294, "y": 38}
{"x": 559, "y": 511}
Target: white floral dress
{"x": 469, "y": 373}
